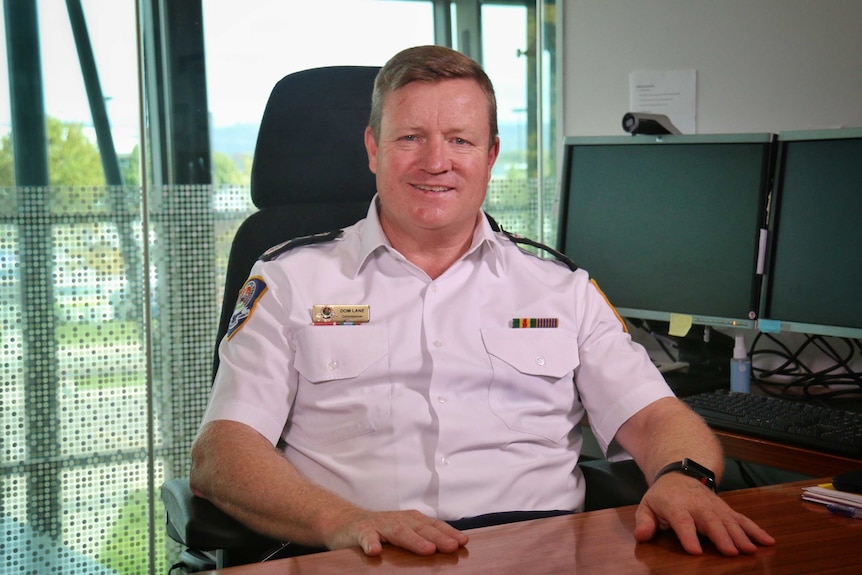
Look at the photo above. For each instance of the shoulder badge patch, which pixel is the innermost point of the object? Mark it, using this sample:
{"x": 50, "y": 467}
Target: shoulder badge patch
{"x": 248, "y": 297}
{"x": 279, "y": 249}
{"x": 613, "y": 309}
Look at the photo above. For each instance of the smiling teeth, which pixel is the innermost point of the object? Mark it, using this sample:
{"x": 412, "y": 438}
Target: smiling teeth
{"x": 433, "y": 188}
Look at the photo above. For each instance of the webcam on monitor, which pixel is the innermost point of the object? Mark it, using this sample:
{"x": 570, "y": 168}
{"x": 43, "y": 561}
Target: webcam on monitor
{"x": 649, "y": 124}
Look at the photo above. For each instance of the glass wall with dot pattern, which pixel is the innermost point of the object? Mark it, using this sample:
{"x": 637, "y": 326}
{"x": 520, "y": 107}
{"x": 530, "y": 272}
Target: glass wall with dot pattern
{"x": 110, "y": 294}
{"x": 105, "y": 369}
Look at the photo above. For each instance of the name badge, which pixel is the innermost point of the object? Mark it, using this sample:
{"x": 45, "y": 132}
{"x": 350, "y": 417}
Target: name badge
{"x": 333, "y": 314}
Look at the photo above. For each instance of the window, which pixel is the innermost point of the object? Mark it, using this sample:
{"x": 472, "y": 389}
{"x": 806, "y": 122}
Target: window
{"x": 110, "y": 284}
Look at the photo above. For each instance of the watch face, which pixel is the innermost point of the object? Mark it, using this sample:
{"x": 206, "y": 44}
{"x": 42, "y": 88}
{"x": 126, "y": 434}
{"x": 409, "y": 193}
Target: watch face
{"x": 692, "y": 469}
{"x": 695, "y": 469}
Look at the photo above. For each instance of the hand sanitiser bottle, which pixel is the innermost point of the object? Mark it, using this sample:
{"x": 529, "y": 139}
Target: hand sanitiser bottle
{"x": 740, "y": 367}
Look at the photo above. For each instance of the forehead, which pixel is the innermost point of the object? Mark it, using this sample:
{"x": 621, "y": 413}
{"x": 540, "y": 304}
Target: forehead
{"x": 457, "y": 100}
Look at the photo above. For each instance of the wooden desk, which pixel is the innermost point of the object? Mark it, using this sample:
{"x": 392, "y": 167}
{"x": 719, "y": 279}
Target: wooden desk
{"x": 784, "y": 456}
{"x": 809, "y": 540}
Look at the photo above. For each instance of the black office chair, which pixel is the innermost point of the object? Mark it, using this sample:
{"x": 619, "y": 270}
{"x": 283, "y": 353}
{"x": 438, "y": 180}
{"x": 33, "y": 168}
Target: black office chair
{"x": 309, "y": 174}
{"x": 611, "y": 483}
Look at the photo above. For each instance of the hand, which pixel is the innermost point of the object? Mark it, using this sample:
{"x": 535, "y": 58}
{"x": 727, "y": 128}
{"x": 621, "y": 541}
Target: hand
{"x": 683, "y": 504}
{"x": 410, "y": 530}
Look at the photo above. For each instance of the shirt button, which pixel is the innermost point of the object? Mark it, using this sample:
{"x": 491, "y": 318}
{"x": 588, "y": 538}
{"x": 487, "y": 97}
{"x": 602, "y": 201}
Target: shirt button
{"x": 441, "y": 399}
{"x": 444, "y": 461}
{"x": 333, "y": 365}
{"x": 435, "y": 288}
{"x": 540, "y": 361}
{"x": 438, "y": 343}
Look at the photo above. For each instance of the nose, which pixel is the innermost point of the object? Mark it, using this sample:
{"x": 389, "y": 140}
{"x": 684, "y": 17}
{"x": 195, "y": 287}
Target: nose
{"x": 436, "y": 157}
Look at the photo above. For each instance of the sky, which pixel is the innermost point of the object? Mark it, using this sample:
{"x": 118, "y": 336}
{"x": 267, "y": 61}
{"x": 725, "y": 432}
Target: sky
{"x": 249, "y": 46}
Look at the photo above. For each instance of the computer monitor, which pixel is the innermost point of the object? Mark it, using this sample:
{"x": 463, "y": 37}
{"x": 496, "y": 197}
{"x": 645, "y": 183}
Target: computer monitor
{"x": 813, "y": 281}
{"x": 669, "y": 224}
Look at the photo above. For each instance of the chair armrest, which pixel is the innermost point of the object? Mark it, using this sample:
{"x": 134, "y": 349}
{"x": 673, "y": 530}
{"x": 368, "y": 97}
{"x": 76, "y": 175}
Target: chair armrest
{"x": 198, "y": 524}
{"x": 612, "y": 484}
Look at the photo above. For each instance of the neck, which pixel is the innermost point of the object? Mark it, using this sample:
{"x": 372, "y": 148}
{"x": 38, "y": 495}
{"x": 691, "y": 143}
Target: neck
{"x": 432, "y": 251}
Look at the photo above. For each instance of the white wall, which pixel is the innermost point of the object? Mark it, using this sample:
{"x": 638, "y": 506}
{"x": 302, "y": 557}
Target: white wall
{"x": 762, "y": 65}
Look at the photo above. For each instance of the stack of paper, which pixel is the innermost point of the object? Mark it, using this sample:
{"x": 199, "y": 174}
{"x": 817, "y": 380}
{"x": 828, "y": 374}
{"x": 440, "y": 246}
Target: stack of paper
{"x": 826, "y": 494}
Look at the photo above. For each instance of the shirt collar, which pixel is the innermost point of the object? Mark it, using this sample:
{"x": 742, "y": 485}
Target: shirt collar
{"x": 486, "y": 242}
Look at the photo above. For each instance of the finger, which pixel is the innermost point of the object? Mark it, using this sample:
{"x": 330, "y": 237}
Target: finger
{"x": 755, "y": 531}
{"x": 370, "y": 543}
{"x": 409, "y": 538}
{"x": 670, "y": 514}
{"x": 446, "y": 538}
{"x": 745, "y": 535}
{"x": 734, "y": 534}
{"x": 729, "y": 539}
{"x": 451, "y": 532}
{"x": 740, "y": 542}
{"x": 646, "y": 525}
{"x": 686, "y": 532}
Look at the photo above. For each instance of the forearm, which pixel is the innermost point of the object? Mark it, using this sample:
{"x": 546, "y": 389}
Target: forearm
{"x": 241, "y": 473}
{"x": 667, "y": 431}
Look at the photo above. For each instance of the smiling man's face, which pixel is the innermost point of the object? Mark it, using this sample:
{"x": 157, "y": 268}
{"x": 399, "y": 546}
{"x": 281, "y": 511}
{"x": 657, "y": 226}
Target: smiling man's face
{"x": 433, "y": 159}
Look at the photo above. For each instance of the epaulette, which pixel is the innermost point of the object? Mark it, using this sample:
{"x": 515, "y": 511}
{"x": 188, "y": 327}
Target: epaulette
{"x": 563, "y": 258}
{"x": 283, "y": 247}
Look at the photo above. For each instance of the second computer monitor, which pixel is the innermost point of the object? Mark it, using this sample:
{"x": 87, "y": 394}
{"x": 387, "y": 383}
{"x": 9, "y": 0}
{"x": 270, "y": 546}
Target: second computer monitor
{"x": 669, "y": 226}
{"x": 814, "y": 278}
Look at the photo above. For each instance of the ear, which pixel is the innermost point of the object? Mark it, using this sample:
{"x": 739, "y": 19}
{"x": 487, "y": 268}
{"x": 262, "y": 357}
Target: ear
{"x": 371, "y": 149}
{"x": 493, "y": 153}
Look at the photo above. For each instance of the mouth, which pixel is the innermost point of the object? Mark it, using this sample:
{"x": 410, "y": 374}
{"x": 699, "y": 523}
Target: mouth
{"x": 433, "y": 189}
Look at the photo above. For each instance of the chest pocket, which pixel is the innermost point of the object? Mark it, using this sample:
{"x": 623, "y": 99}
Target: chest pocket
{"x": 344, "y": 389}
{"x": 532, "y": 387}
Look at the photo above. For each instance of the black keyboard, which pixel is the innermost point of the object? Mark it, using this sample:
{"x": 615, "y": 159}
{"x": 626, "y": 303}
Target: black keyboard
{"x": 815, "y": 427}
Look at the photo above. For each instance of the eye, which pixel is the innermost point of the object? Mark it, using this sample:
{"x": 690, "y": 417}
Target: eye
{"x": 461, "y": 141}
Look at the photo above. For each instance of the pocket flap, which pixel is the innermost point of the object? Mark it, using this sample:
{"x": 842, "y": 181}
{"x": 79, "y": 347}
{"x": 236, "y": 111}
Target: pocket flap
{"x": 325, "y": 353}
{"x": 545, "y": 352}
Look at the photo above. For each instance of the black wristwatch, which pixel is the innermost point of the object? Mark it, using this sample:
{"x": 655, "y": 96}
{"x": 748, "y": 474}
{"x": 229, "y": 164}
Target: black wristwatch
{"x": 692, "y": 469}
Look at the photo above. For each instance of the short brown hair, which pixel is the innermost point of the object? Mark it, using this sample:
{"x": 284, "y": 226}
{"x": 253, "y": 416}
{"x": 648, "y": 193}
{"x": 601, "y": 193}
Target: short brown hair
{"x": 428, "y": 64}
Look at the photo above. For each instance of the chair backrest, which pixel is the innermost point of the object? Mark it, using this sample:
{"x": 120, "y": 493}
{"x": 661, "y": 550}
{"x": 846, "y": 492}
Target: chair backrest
{"x": 310, "y": 169}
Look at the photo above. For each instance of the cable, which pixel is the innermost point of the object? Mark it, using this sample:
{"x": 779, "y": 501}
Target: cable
{"x": 793, "y": 378}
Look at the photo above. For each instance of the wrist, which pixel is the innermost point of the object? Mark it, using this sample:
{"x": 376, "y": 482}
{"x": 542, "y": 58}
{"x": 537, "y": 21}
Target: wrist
{"x": 692, "y": 469}
{"x": 333, "y": 519}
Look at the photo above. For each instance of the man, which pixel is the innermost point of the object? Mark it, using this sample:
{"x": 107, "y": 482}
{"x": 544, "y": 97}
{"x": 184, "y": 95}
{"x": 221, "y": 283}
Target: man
{"x": 438, "y": 406}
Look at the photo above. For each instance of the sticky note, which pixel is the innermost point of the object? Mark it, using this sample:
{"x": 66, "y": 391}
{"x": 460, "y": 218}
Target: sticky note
{"x": 679, "y": 324}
